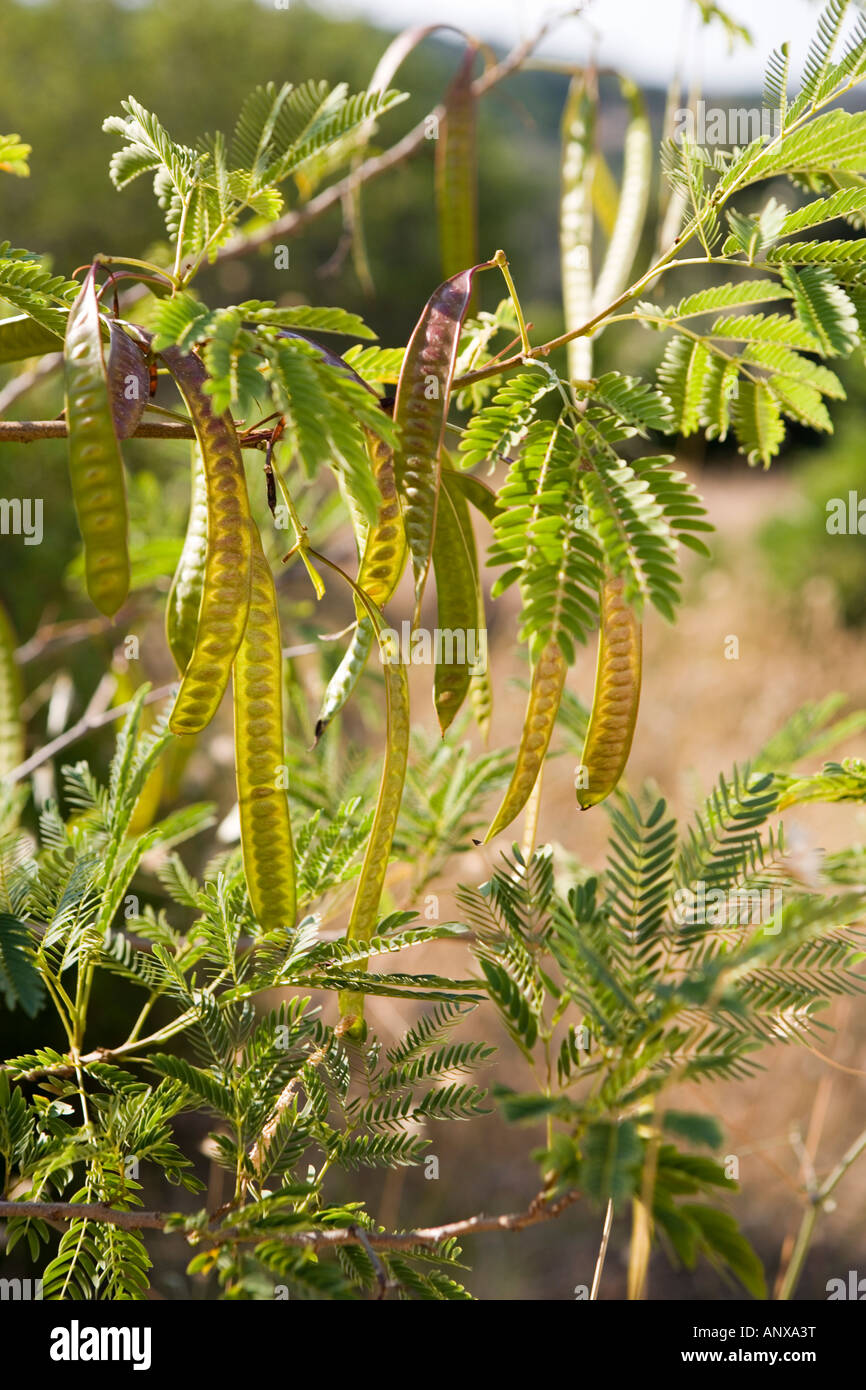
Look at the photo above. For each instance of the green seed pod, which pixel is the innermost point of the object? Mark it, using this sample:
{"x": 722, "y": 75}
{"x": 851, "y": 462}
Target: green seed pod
{"x": 371, "y": 880}
{"x": 382, "y": 563}
{"x": 226, "y": 591}
{"x": 266, "y": 829}
{"x": 346, "y": 676}
{"x": 365, "y": 907}
{"x": 457, "y": 173}
{"x": 11, "y": 728}
{"x": 575, "y": 220}
{"x": 184, "y": 599}
{"x": 616, "y": 698}
{"x": 95, "y": 464}
{"x": 460, "y": 603}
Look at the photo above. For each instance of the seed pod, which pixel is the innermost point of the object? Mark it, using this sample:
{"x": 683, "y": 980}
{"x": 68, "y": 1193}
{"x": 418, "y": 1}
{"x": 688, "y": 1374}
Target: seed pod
{"x": 616, "y": 697}
{"x": 266, "y": 829}
{"x": 128, "y": 381}
{"x": 545, "y": 693}
{"x": 11, "y": 728}
{"x": 362, "y": 919}
{"x": 625, "y": 238}
{"x": 457, "y": 173}
{"x": 226, "y": 590}
{"x": 346, "y": 676}
{"x": 460, "y": 603}
{"x": 184, "y": 599}
{"x": 365, "y": 907}
{"x": 575, "y": 220}
{"x": 420, "y": 412}
{"x": 485, "y": 501}
{"x": 385, "y": 548}
{"x": 384, "y": 556}
{"x": 95, "y": 464}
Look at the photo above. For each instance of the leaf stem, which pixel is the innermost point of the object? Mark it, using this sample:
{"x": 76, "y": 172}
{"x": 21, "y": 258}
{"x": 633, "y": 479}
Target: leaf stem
{"x": 501, "y": 260}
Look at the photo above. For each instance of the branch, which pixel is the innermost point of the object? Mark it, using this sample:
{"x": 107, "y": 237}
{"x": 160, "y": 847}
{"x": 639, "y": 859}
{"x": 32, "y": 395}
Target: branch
{"x": 33, "y": 431}
{"x": 289, "y": 226}
{"x": 539, "y": 1210}
{"x": 294, "y": 222}
{"x": 25, "y": 381}
{"x": 76, "y": 731}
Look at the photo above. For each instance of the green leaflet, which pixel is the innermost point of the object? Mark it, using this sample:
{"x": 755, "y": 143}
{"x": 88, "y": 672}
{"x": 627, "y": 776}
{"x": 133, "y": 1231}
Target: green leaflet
{"x": 184, "y": 599}
{"x": 226, "y": 587}
{"x": 266, "y": 829}
{"x": 420, "y": 412}
{"x": 616, "y": 697}
{"x": 457, "y": 175}
{"x": 633, "y": 199}
{"x": 575, "y": 221}
{"x": 460, "y": 610}
{"x": 11, "y": 728}
{"x": 95, "y": 464}
{"x": 22, "y": 337}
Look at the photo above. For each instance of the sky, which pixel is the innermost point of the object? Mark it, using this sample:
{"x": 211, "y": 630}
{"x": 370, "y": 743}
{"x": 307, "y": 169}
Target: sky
{"x": 643, "y": 37}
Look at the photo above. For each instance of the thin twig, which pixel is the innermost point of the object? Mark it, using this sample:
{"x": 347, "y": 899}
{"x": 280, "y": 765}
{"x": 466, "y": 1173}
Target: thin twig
{"x": 294, "y": 222}
{"x": 538, "y": 1211}
{"x": 85, "y": 725}
{"x": 25, "y": 381}
{"x": 33, "y": 431}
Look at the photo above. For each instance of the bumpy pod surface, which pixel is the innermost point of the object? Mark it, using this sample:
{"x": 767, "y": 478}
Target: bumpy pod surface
{"x": 616, "y": 698}
{"x": 545, "y": 693}
{"x": 95, "y": 464}
{"x": 385, "y": 549}
{"x": 226, "y": 590}
{"x": 266, "y": 830}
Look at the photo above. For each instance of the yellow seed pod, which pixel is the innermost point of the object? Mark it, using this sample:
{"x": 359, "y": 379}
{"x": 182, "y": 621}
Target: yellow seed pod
{"x": 225, "y": 599}
{"x": 616, "y": 698}
{"x": 266, "y": 830}
{"x": 545, "y": 694}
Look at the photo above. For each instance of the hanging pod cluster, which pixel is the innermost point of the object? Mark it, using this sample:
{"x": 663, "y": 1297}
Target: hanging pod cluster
{"x": 222, "y": 618}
